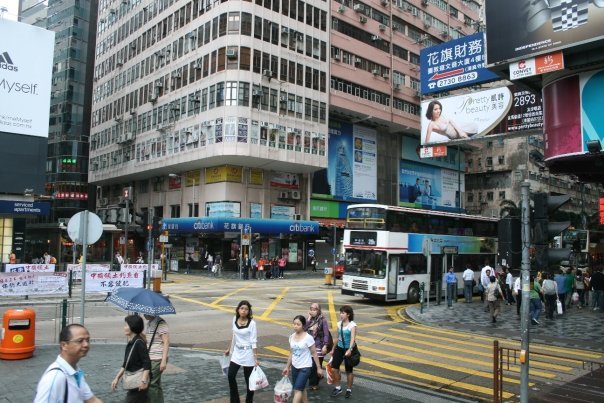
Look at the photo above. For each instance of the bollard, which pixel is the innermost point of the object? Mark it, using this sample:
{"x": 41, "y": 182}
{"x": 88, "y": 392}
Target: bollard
{"x": 421, "y": 297}
{"x": 328, "y": 275}
{"x": 156, "y": 280}
{"x": 64, "y": 314}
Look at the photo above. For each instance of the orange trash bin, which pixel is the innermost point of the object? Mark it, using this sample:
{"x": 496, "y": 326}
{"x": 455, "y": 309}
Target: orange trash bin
{"x": 18, "y": 339}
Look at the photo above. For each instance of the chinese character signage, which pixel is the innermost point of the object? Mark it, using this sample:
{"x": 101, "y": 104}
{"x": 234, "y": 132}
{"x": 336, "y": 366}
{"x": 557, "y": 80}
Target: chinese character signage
{"x": 478, "y": 114}
{"x": 537, "y": 65}
{"x": 109, "y": 281}
{"x": 454, "y": 64}
{"x": 28, "y": 268}
{"x": 76, "y": 269}
{"x": 32, "y": 283}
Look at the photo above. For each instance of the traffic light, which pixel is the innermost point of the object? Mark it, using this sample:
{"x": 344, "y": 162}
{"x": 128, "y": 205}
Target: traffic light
{"x": 123, "y": 215}
{"x": 156, "y": 229}
{"x": 141, "y": 218}
{"x": 545, "y": 230}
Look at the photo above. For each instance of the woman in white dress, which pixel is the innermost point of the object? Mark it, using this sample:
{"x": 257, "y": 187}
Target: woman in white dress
{"x": 244, "y": 353}
{"x": 443, "y": 126}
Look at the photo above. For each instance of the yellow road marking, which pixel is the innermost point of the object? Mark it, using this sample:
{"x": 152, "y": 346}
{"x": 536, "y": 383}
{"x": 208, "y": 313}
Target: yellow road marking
{"x": 464, "y": 350}
{"x": 376, "y": 324}
{"x": 273, "y": 304}
{"x": 332, "y": 310}
{"x": 439, "y": 364}
{"x": 547, "y": 348}
{"x": 239, "y": 290}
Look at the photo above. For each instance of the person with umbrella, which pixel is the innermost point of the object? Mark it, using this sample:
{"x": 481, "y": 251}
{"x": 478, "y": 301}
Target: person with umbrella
{"x": 136, "y": 358}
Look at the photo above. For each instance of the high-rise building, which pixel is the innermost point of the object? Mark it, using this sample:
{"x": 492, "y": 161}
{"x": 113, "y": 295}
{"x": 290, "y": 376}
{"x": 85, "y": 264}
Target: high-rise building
{"x": 206, "y": 104}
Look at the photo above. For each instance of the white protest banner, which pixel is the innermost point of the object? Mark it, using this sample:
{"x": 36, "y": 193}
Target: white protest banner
{"x": 107, "y": 282}
{"x": 90, "y": 268}
{"x": 28, "y": 268}
{"x": 13, "y": 284}
{"x": 138, "y": 267}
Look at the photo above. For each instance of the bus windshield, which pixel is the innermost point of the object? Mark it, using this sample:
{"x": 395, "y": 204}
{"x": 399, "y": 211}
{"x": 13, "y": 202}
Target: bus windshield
{"x": 366, "y": 263}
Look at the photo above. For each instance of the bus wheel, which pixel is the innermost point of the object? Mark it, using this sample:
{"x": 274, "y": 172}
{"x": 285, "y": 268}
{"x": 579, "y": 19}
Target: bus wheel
{"x": 413, "y": 294}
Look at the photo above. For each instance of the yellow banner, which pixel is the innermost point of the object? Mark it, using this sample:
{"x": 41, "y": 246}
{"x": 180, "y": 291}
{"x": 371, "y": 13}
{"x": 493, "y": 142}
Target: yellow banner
{"x": 256, "y": 176}
{"x": 224, "y": 173}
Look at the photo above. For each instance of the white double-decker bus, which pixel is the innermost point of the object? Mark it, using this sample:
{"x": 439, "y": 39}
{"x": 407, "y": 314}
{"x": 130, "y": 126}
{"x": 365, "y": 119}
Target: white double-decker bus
{"x": 390, "y": 251}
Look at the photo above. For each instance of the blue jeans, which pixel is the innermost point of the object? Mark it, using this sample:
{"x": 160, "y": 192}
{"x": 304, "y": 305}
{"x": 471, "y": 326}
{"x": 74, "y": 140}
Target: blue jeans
{"x": 451, "y": 290}
{"x": 535, "y": 308}
{"x": 300, "y": 377}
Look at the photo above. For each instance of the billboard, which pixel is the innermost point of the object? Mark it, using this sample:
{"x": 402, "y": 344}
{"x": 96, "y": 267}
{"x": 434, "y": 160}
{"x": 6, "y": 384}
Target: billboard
{"x": 454, "y": 64}
{"x": 572, "y": 114}
{"x": 481, "y": 113}
{"x": 352, "y": 164}
{"x": 26, "y": 64}
{"x": 521, "y": 28}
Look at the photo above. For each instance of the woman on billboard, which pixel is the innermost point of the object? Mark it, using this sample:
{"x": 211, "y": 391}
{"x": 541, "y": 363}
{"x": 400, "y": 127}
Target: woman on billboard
{"x": 446, "y": 127}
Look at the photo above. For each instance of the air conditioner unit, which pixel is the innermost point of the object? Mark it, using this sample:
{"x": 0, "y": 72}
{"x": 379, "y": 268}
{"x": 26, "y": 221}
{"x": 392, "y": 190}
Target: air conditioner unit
{"x": 444, "y": 34}
{"x": 119, "y": 62}
{"x": 176, "y": 74}
{"x": 396, "y": 86}
{"x": 375, "y": 72}
{"x": 133, "y": 45}
{"x": 112, "y": 11}
{"x": 375, "y": 38}
{"x": 103, "y": 201}
{"x": 153, "y": 98}
{"x": 297, "y": 217}
{"x": 363, "y": 19}
{"x": 284, "y": 195}
{"x": 296, "y": 194}
{"x": 395, "y": 27}
{"x": 267, "y": 73}
{"x": 357, "y": 61}
{"x": 418, "y": 94}
{"x": 427, "y": 25}
{"x": 341, "y": 8}
{"x": 257, "y": 93}
{"x": 128, "y": 136}
{"x": 160, "y": 54}
{"x": 283, "y": 98}
{"x": 424, "y": 3}
{"x": 132, "y": 111}
{"x": 382, "y": 27}
{"x": 386, "y": 76}
{"x": 385, "y": 3}
{"x": 119, "y": 140}
{"x": 336, "y": 56}
{"x": 197, "y": 66}
{"x": 231, "y": 53}
{"x": 159, "y": 84}
{"x": 357, "y": 7}
{"x": 118, "y": 118}
{"x": 285, "y": 30}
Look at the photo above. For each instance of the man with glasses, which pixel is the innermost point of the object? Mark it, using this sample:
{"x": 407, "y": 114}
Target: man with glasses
{"x": 63, "y": 380}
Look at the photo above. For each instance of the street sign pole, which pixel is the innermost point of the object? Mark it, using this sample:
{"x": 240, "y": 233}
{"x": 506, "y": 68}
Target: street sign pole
{"x": 84, "y": 235}
{"x": 525, "y": 290}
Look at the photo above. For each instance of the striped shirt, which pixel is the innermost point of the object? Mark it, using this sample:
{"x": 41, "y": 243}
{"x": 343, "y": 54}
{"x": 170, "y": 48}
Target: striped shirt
{"x": 157, "y": 349}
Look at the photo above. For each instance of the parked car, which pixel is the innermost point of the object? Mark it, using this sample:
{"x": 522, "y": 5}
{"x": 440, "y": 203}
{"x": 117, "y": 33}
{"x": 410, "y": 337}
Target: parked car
{"x": 339, "y": 272}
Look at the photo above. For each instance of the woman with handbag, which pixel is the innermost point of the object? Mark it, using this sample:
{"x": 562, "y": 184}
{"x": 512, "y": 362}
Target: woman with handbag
{"x": 344, "y": 347}
{"x": 244, "y": 353}
{"x": 136, "y": 369}
{"x": 494, "y": 294}
{"x": 302, "y": 354}
{"x": 318, "y": 328}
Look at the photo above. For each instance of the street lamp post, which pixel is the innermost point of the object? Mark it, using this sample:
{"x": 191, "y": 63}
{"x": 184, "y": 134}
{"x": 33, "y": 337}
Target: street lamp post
{"x": 334, "y": 254}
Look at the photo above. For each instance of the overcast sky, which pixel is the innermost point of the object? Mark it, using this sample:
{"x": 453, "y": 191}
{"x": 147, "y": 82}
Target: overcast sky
{"x": 13, "y": 9}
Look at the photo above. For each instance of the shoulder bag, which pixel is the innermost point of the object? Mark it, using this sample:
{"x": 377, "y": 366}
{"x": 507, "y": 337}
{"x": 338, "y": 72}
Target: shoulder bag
{"x": 132, "y": 379}
{"x": 355, "y": 354}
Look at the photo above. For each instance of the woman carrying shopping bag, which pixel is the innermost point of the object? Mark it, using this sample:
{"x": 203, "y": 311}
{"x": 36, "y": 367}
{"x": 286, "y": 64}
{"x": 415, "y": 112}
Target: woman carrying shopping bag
{"x": 318, "y": 328}
{"x": 244, "y": 353}
{"x": 302, "y": 353}
{"x": 344, "y": 343}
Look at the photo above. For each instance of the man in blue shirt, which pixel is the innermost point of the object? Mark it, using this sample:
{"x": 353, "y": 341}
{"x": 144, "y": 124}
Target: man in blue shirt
{"x": 451, "y": 281}
{"x": 560, "y": 280}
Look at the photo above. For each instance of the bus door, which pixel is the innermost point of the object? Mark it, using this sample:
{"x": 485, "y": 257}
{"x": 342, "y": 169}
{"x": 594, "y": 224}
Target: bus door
{"x": 392, "y": 281}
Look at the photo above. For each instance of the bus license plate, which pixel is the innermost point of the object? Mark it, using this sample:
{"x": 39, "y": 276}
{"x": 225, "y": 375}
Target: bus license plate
{"x": 358, "y": 294}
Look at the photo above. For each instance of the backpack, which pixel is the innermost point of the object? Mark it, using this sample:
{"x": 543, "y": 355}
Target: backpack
{"x": 549, "y": 287}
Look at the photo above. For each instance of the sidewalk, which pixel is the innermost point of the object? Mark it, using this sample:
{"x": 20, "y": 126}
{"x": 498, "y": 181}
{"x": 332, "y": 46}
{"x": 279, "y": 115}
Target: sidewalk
{"x": 577, "y": 328}
{"x": 191, "y": 376}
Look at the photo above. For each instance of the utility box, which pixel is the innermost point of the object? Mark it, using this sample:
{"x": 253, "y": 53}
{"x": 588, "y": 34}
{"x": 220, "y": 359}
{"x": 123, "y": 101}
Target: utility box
{"x": 156, "y": 278}
{"x": 18, "y": 339}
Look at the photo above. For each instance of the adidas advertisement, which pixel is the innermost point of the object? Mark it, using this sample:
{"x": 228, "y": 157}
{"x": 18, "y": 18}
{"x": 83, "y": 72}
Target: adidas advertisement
{"x": 26, "y": 57}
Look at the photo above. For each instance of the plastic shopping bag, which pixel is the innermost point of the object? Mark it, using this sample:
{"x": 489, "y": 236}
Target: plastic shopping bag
{"x": 575, "y": 297}
{"x": 225, "y": 362}
{"x": 283, "y": 390}
{"x": 257, "y": 379}
{"x": 332, "y": 376}
{"x": 559, "y": 307}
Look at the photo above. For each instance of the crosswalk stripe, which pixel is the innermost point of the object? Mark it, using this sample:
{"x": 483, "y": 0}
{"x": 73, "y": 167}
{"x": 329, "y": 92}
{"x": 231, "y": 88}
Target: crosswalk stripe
{"x": 237, "y": 291}
{"x": 464, "y": 351}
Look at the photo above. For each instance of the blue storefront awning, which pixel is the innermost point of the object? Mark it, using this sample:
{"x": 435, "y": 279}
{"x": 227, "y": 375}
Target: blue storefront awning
{"x": 194, "y": 225}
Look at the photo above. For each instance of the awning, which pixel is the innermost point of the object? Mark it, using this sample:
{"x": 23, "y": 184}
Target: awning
{"x": 330, "y": 222}
{"x": 199, "y": 225}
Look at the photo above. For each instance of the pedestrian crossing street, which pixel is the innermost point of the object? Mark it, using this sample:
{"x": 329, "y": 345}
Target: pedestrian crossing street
{"x": 398, "y": 349}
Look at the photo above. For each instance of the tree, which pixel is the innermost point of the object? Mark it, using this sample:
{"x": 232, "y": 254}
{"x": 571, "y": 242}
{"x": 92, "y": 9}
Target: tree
{"x": 508, "y": 208}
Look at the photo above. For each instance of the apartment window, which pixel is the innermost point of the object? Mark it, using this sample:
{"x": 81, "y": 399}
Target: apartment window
{"x": 502, "y": 195}
{"x": 175, "y": 210}
{"x": 489, "y": 161}
{"x": 501, "y": 159}
{"x": 193, "y": 209}
{"x": 470, "y": 163}
{"x": 470, "y": 197}
{"x": 490, "y": 196}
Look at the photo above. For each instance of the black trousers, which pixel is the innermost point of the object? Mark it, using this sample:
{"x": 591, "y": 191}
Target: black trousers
{"x": 234, "y": 390}
{"x": 313, "y": 379}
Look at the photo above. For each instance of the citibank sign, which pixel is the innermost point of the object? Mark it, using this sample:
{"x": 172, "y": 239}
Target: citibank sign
{"x": 251, "y": 225}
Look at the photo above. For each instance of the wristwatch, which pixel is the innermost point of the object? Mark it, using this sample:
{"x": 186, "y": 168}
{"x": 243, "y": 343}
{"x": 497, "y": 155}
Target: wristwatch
{"x": 567, "y": 14}
{"x": 563, "y": 14}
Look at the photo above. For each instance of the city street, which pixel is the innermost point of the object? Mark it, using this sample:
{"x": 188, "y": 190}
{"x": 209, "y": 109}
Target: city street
{"x": 438, "y": 351}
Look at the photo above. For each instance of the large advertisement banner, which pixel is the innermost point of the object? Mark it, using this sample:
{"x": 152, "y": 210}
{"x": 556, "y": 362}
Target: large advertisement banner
{"x": 482, "y": 113}
{"x": 15, "y": 284}
{"x": 25, "y": 78}
{"x": 521, "y": 28}
{"x": 107, "y": 282}
{"x": 454, "y": 64}
{"x": 572, "y": 114}
{"x": 429, "y": 187}
{"x": 352, "y": 164}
